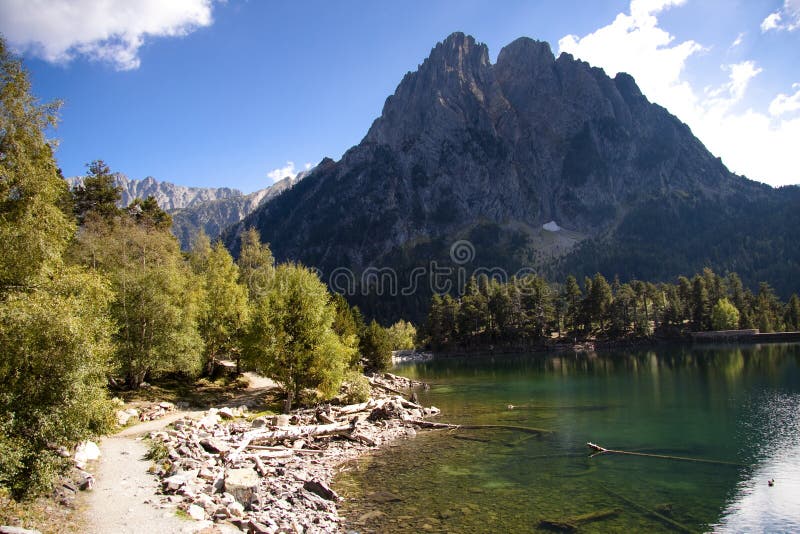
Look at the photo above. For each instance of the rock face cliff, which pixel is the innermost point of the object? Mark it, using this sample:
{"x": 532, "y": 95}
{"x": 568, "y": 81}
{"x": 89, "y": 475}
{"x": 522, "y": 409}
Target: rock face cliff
{"x": 494, "y": 153}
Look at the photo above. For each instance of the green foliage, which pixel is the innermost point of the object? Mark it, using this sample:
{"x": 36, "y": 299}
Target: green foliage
{"x": 355, "y": 387}
{"x": 157, "y": 451}
{"x": 402, "y": 335}
{"x": 724, "y": 315}
{"x": 529, "y": 310}
{"x": 291, "y": 338}
{"x": 34, "y": 231}
{"x": 256, "y": 264}
{"x": 792, "y": 315}
{"x": 54, "y": 329}
{"x": 148, "y": 213}
{"x": 224, "y": 307}
{"x": 376, "y": 347}
{"x": 156, "y": 297}
{"x": 56, "y": 342}
{"x": 97, "y": 196}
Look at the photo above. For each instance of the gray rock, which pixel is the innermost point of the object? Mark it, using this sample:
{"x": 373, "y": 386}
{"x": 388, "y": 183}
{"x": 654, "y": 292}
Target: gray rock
{"x": 259, "y": 422}
{"x": 215, "y": 445}
{"x": 196, "y": 512}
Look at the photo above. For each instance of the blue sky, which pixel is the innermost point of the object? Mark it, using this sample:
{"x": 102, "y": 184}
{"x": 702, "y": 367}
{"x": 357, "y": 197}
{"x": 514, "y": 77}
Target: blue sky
{"x": 224, "y": 93}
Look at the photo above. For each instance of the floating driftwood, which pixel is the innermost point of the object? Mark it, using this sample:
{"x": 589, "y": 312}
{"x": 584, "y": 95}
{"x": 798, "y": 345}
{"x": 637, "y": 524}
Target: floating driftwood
{"x": 602, "y": 450}
{"x": 571, "y": 524}
{"x": 524, "y": 429}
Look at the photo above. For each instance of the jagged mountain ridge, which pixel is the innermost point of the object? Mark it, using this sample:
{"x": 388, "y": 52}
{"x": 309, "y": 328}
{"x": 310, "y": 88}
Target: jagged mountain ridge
{"x": 194, "y": 208}
{"x": 168, "y": 195}
{"x": 214, "y": 216}
{"x": 467, "y": 149}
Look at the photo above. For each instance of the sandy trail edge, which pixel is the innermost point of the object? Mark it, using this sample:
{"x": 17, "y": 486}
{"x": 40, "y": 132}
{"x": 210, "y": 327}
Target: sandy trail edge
{"x": 117, "y": 504}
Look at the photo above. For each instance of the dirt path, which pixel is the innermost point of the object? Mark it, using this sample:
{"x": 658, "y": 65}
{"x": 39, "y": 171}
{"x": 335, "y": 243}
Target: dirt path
{"x": 124, "y": 499}
{"x": 120, "y": 501}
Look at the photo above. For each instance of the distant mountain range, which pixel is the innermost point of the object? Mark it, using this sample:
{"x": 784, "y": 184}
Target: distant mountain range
{"x": 537, "y": 162}
{"x": 193, "y": 208}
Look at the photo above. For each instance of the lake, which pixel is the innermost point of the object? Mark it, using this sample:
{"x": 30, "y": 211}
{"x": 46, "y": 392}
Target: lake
{"x": 735, "y": 407}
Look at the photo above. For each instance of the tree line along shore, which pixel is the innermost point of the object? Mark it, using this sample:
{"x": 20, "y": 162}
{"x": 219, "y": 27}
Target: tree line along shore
{"x": 531, "y": 312}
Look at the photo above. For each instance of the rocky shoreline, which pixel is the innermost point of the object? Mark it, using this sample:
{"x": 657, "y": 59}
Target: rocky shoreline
{"x": 273, "y": 474}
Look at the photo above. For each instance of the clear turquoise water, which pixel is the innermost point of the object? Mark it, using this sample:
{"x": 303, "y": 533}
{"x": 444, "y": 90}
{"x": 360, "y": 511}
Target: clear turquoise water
{"x": 738, "y": 405}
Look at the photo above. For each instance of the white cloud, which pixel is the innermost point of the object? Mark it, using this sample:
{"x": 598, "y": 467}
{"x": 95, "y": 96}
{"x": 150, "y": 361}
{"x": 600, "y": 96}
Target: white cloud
{"x": 759, "y": 145}
{"x": 287, "y": 170}
{"x": 772, "y": 22}
{"x": 787, "y": 18}
{"x": 110, "y": 30}
{"x": 783, "y": 104}
{"x": 739, "y": 40}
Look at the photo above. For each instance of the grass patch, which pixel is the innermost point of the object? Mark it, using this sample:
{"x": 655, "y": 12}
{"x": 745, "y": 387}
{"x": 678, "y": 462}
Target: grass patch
{"x": 156, "y": 451}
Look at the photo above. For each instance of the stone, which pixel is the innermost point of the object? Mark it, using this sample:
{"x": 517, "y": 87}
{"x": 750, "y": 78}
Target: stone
{"x": 174, "y": 483}
{"x": 235, "y": 509}
{"x": 85, "y": 480}
{"x": 209, "y": 421}
{"x": 226, "y": 413}
{"x": 259, "y": 422}
{"x": 196, "y": 513}
{"x": 87, "y": 451}
{"x": 206, "y": 502}
{"x": 281, "y": 420}
{"x": 321, "y": 488}
{"x": 122, "y": 417}
{"x": 242, "y": 484}
{"x": 260, "y": 528}
{"x": 215, "y": 445}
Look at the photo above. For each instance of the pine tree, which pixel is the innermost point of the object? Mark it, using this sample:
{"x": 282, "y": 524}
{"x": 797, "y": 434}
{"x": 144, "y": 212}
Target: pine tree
{"x": 97, "y": 196}
{"x": 572, "y": 294}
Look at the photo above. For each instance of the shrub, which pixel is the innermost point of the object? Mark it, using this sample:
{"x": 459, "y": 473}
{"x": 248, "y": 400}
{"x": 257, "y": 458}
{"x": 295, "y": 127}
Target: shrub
{"x": 355, "y": 387}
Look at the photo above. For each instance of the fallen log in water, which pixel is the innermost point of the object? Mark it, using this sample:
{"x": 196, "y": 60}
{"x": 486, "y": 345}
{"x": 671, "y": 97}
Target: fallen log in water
{"x": 602, "y": 450}
{"x": 525, "y": 429}
{"x": 571, "y": 524}
{"x": 664, "y": 519}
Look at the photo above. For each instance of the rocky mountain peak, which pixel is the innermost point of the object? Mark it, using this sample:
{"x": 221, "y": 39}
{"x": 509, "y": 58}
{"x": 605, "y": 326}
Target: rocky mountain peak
{"x": 459, "y": 52}
{"x": 494, "y": 154}
{"x": 527, "y": 54}
{"x": 452, "y": 86}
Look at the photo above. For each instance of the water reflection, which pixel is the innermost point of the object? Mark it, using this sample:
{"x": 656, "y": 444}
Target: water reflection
{"x": 735, "y": 404}
{"x": 755, "y": 505}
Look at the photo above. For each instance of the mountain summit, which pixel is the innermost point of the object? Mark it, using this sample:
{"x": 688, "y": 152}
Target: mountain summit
{"x": 494, "y": 153}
